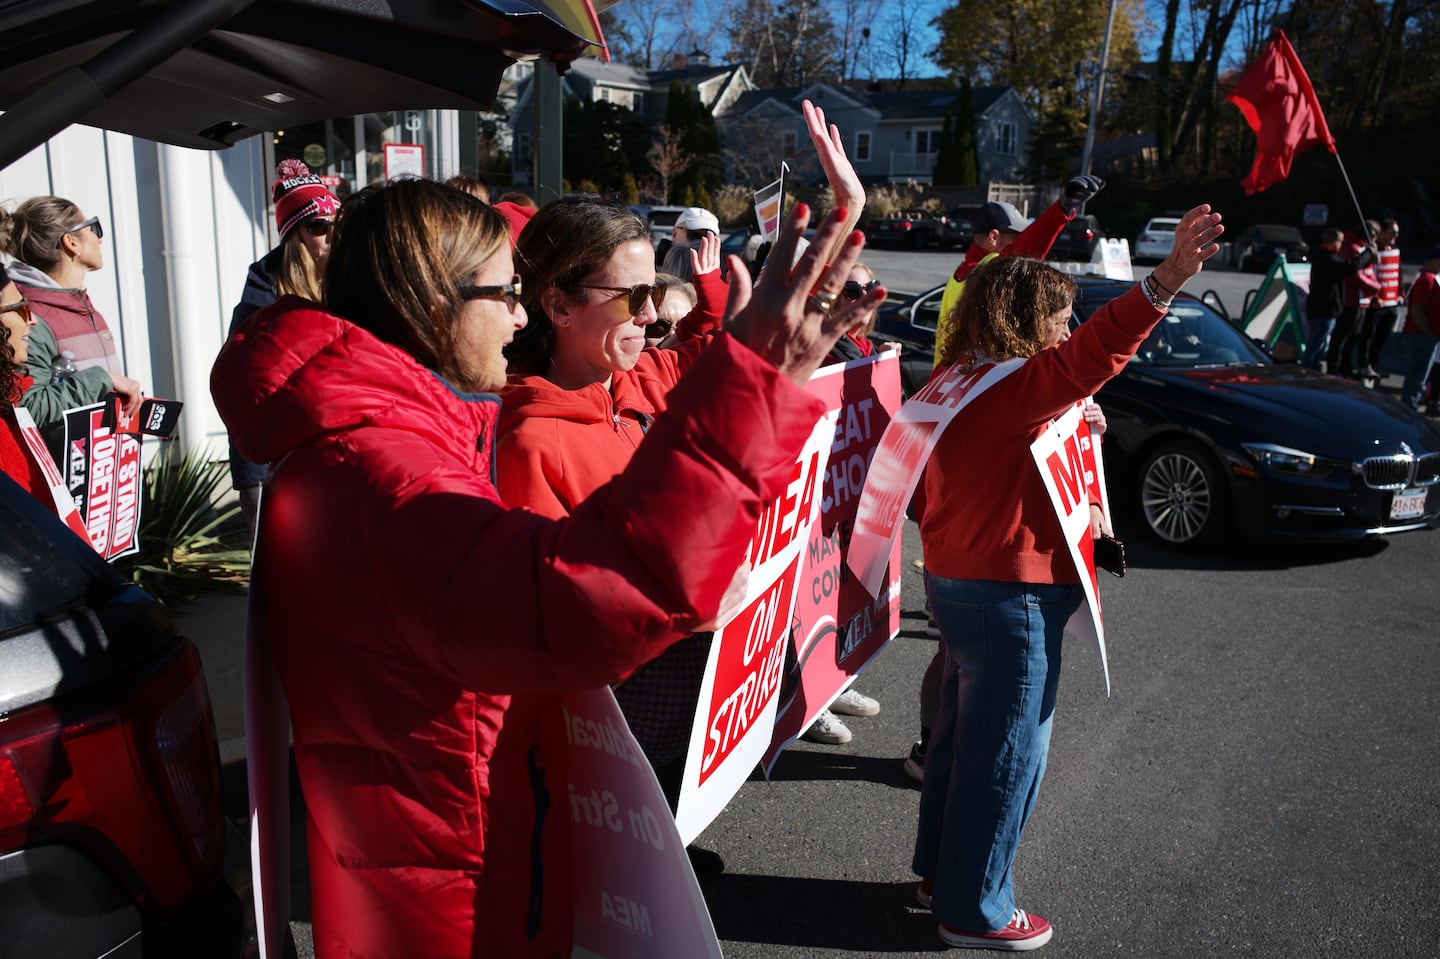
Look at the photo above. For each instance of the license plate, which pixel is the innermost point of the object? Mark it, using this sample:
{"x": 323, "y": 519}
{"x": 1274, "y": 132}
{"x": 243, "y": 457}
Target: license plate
{"x": 1408, "y": 504}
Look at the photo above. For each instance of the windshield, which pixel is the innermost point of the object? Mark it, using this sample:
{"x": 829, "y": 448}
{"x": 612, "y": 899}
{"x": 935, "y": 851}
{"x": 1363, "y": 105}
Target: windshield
{"x": 1190, "y": 335}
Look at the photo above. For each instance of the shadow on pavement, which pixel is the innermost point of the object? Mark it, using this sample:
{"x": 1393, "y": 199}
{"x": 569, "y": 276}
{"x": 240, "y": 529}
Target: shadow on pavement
{"x": 823, "y": 914}
{"x": 1143, "y": 551}
{"x": 798, "y": 763}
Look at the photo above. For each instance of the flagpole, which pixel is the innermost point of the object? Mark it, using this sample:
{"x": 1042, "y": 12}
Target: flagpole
{"x": 1364, "y": 225}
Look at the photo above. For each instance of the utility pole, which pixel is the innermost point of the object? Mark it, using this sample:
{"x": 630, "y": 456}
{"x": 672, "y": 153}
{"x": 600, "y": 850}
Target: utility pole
{"x": 1099, "y": 93}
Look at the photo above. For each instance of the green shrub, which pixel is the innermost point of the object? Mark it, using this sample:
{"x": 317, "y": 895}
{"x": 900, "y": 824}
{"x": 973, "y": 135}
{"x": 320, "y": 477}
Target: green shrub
{"x": 188, "y": 544}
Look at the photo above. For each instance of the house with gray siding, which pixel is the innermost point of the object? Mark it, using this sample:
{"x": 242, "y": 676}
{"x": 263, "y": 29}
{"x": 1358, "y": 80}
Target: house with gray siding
{"x": 891, "y": 136}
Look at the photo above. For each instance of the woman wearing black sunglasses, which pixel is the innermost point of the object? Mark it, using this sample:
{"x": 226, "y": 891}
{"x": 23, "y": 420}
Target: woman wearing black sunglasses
{"x": 589, "y": 390}
{"x": 305, "y": 212}
{"x": 73, "y": 356}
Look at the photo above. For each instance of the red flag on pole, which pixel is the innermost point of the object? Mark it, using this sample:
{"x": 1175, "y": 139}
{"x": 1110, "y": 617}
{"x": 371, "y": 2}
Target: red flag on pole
{"x": 1279, "y": 103}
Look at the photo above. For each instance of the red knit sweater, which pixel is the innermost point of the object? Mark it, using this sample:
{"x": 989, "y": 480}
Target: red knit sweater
{"x": 15, "y": 458}
{"x": 987, "y": 515}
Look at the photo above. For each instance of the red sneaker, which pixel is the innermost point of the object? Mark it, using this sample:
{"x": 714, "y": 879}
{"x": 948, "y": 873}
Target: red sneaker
{"x": 1024, "y": 932}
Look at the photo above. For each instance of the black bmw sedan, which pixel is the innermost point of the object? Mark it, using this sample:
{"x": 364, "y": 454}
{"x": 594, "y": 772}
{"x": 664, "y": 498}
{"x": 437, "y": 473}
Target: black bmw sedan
{"x": 1209, "y": 437}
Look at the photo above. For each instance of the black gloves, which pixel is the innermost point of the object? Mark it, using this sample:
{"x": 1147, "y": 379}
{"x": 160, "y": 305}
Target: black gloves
{"x": 1078, "y": 191}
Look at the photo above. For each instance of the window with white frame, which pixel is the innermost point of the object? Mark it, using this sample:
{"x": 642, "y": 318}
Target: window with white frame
{"x": 1005, "y": 140}
{"x": 637, "y": 102}
{"x": 927, "y": 141}
{"x": 862, "y": 146}
{"x": 602, "y": 94}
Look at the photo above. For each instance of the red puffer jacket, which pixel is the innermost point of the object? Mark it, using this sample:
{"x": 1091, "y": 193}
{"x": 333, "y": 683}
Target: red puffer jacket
{"x": 418, "y": 624}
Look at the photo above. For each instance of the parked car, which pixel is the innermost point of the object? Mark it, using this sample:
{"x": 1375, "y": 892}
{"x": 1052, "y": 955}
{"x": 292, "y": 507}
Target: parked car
{"x": 912, "y": 324}
{"x": 1078, "y": 239}
{"x": 1210, "y": 438}
{"x": 912, "y": 228}
{"x": 959, "y": 225}
{"x": 1255, "y": 250}
{"x": 112, "y": 836}
{"x": 660, "y": 219}
{"x": 1156, "y": 239}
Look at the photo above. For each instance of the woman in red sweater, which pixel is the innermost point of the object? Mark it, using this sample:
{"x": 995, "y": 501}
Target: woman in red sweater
{"x": 999, "y": 576}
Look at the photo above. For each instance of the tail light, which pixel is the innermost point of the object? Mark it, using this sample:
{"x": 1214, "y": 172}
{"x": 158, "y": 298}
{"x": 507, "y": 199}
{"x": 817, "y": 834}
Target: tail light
{"x": 1089, "y": 235}
{"x": 132, "y": 777}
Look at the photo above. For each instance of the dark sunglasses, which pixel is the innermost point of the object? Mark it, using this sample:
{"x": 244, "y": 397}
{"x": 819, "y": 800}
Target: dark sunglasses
{"x": 509, "y": 292}
{"x": 639, "y": 293}
{"x": 853, "y": 289}
{"x": 319, "y": 226}
{"x": 23, "y": 308}
{"x": 659, "y": 329}
{"x": 93, "y": 223}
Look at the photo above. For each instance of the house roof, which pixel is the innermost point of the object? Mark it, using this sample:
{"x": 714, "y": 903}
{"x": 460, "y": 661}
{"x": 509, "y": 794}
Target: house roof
{"x": 890, "y": 104}
{"x": 693, "y": 74}
{"x": 611, "y": 74}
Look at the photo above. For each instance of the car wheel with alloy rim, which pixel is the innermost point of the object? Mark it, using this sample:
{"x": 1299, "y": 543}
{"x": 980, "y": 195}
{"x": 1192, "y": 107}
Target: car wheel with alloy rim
{"x": 1183, "y": 496}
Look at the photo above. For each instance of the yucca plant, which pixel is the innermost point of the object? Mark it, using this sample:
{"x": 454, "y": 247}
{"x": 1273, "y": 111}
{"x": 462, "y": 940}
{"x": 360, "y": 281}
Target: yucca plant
{"x": 187, "y": 543}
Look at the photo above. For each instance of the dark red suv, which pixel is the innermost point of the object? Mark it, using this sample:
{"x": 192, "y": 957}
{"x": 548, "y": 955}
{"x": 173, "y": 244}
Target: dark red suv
{"x": 111, "y": 832}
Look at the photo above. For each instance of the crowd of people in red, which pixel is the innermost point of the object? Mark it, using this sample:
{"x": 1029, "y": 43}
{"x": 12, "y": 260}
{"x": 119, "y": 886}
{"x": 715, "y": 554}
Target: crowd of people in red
{"x": 464, "y": 424}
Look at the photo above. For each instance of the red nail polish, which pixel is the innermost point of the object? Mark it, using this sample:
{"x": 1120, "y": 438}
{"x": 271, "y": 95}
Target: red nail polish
{"x": 857, "y": 238}
{"x": 841, "y": 212}
{"x": 802, "y": 209}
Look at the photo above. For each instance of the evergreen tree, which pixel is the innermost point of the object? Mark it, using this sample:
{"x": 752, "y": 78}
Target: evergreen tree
{"x": 695, "y": 125}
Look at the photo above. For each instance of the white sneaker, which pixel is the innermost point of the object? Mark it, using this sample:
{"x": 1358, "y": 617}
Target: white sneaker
{"x": 855, "y": 703}
{"x": 828, "y": 729}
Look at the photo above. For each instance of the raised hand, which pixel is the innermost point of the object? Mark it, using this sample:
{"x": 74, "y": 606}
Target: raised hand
{"x": 705, "y": 257}
{"x": 781, "y": 318}
{"x": 1080, "y": 190}
{"x": 1194, "y": 244}
{"x": 839, "y": 171}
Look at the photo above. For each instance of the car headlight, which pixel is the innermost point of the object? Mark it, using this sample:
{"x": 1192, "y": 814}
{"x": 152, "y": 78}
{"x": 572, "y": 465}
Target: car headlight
{"x": 1282, "y": 459}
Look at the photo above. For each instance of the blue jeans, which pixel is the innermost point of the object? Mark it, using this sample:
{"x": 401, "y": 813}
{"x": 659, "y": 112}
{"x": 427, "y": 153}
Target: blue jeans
{"x": 1317, "y": 339}
{"x": 1417, "y": 348}
{"x": 989, "y": 745}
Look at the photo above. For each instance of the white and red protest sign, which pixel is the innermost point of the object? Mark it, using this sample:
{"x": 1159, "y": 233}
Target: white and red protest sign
{"x": 839, "y": 626}
{"x": 1067, "y": 455}
{"x": 635, "y": 893}
{"x": 59, "y": 493}
{"x": 103, "y": 475}
{"x": 896, "y": 467}
{"x": 735, "y": 713}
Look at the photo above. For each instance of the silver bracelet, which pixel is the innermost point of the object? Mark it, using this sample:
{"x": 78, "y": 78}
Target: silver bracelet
{"x": 1153, "y": 294}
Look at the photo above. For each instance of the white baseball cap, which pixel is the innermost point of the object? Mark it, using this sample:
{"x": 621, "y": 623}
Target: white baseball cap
{"x": 696, "y": 218}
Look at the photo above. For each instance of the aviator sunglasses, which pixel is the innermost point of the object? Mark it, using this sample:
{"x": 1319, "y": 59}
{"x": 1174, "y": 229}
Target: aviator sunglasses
{"x": 639, "y": 293}
{"x": 509, "y": 292}
{"x": 22, "y": 307}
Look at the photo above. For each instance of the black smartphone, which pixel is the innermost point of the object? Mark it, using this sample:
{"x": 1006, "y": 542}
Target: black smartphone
{"x": 1110, "y": 555}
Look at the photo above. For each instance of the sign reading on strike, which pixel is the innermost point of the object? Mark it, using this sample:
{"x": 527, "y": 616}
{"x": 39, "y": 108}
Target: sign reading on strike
{"x": 735, "y": 712}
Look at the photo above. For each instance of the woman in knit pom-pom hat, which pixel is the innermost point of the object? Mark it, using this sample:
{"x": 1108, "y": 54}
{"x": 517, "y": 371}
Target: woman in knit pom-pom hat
{"x": 305, "y": 214}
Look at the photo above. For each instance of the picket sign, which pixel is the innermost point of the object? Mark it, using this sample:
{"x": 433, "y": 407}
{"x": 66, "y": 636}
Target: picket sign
{"x": 1067, "y": 455}
{"x": 59, "y": 492}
